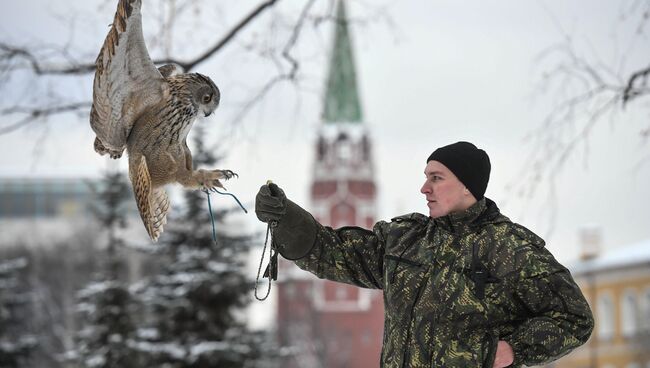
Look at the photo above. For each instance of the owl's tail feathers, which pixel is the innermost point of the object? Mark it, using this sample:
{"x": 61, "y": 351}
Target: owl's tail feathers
{"x": 160, "y": 206}
{"x": 153, "y": 204}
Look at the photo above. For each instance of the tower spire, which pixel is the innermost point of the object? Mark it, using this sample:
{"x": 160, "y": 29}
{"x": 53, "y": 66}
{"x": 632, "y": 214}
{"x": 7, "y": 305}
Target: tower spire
{"x": 343, "y": 193}
{"x": 342, "y": 104}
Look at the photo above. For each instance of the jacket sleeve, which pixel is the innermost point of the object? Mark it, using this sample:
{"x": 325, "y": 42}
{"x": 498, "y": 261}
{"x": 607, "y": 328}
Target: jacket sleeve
{"x": 351, "y": 255}
{"x": 558, "y": 318}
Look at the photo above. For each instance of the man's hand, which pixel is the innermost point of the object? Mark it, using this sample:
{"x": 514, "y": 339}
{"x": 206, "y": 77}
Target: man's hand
{"x": 270, "y": 203}
{"x": 505, "y": 356}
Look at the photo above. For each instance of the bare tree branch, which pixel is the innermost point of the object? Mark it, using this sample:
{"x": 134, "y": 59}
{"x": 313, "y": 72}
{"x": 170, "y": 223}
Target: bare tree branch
{"x": 31, "y": 114}
{"x": 8, "y": 52}
{"x": 587, "y": 91}
{"x": 632, "y": 90}
{"x": 282, "y": 76}
{"x": 228, "y": 37}
{"x": 50, "y": 65}
{"x": 14, "y": 58}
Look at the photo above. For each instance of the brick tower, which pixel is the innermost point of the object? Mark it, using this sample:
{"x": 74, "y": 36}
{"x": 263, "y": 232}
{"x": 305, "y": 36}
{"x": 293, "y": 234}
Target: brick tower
{"x": 329, "y": 324}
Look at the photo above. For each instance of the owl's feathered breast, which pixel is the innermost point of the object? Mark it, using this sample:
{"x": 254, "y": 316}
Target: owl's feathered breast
{"x": 164, "y": 125}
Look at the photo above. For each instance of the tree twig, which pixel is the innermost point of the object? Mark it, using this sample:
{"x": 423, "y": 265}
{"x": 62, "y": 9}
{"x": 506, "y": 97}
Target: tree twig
{"x": 9, "y": 52}
{"x": 34, "y": 113}
{"x": 228, "y": 37}
{"x": 632, "y": 91}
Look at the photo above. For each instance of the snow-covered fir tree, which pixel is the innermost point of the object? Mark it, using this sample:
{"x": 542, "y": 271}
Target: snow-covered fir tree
{"x": 15, "y": 345}
{"x": 105, "y": 304}
{"x": 197, "y": 300}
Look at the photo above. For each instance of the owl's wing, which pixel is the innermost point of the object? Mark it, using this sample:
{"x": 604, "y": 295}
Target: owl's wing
{"x": 153, "y": 203}
{"x": 126, "y": 80}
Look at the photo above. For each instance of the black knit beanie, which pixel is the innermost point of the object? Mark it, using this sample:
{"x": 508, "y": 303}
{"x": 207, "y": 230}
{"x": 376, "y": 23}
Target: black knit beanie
{"x": 471, "y": 165}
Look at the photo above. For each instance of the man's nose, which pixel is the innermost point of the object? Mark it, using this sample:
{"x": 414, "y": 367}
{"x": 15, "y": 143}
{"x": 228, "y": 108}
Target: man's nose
{"x": 425, "y": 189}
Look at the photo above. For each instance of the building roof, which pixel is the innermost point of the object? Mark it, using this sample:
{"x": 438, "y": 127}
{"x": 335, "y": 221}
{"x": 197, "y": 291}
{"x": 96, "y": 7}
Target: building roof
{"x": 623, "y": 257}
{"x": 342, "y": 103}
{"x": 44, "y": 197}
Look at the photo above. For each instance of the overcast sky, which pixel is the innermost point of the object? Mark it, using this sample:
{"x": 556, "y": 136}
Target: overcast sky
{"x": 442, "y": 71}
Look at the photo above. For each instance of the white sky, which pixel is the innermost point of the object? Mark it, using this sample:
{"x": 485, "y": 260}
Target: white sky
{"x": 445, "y": 71}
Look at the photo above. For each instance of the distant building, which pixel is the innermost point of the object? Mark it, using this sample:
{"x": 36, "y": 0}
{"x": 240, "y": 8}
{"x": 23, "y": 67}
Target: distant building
{"x": 617, "y": 285}
{"x": 44, "y": 210}
{"x": 27, "y": 198}
{"x": 37, "y": 210}
{"x": 330, "y": 324}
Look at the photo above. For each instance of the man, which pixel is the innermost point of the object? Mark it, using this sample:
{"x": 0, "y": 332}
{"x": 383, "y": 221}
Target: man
{"x": 463, "y": 287}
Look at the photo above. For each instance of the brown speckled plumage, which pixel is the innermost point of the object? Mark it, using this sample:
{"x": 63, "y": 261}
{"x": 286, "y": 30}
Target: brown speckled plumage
{"x": 149, "y": 112}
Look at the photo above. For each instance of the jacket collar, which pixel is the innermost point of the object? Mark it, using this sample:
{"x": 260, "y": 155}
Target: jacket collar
{"x": 476, "y": 216}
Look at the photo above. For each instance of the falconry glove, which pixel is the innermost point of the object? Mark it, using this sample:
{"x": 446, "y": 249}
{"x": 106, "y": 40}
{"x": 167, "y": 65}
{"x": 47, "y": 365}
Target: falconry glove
{"x": 295, "y": 233}
{"x": 270, "y": 203}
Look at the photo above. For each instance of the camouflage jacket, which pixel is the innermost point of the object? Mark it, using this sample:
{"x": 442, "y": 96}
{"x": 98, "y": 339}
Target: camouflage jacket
{"x": 453, "y": 286}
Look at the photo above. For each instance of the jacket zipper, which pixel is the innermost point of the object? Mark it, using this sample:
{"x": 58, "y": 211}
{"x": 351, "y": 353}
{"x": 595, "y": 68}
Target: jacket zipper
{"x": 407, "y": 350}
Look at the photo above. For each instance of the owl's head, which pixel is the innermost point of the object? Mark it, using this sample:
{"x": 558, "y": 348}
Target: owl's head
{"x": 205, "y": 93}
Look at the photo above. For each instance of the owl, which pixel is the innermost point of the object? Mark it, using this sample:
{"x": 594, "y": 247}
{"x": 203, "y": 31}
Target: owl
{"x": 149, "y": 111}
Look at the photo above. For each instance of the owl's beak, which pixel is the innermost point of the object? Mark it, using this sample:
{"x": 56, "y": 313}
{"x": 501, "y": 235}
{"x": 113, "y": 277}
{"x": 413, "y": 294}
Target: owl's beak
{"x": 208, "y": 114}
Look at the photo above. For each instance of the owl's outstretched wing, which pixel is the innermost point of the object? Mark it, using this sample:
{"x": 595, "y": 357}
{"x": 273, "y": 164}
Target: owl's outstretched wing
{"x": 153, "y": 203}
{"x": 126, "y": 80}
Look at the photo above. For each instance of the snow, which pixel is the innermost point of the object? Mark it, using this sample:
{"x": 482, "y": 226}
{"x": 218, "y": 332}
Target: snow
{"x": 190, "y": 354}
{"x": 115, "y": 338}
{"x": 96, "y": 288}
{"x": 186, "y": 254}
{"x": 634, "y": 254}
{"x": 15, "y": 346}
{"x": 172, "y": 349}
{"x": 8, "y": 283}
{"x": 185, "y": 277}
{"x": 13, "y": 265}
{"x": 86, "y": 308}
{"x": 8, "y": 346}
{"x": 208, "y": 347}
{"x": 148, "y": 333}
{"x": 220, "y": 267}
{"x": 147, "y": 248}
{"x": 96, "y": 361}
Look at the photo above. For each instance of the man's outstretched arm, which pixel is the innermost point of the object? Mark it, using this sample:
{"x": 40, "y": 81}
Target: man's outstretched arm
{"x": 351, "y": 255}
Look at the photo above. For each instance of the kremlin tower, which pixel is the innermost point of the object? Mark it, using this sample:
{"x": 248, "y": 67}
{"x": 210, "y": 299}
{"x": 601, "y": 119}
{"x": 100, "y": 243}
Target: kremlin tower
{"x": 328, "y": 324}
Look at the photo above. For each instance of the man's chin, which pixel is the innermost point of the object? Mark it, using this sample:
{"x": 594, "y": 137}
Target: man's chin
{"x": 436, "y": 213}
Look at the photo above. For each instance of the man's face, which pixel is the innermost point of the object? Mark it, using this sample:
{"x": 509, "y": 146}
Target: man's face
{"x": 444, "y": 192}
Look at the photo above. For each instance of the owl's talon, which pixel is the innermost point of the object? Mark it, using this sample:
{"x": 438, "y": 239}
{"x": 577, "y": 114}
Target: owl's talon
{"x": 227, "y": 174}
{"x": 211, "y": 185}
{"x": 215, "y": 184}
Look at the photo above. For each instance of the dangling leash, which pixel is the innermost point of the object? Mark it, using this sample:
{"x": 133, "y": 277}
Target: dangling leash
{"x": 215, "y": 190}
{"x": 272, "y": 268}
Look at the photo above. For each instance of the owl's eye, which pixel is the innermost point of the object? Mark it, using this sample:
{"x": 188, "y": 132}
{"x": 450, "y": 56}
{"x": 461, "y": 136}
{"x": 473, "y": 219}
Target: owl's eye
{"x": 207, "y": 98}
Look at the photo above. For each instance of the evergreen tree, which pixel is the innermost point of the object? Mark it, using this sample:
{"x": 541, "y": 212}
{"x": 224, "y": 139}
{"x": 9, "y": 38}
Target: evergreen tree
{"x": 15, "y": 345}
{"x": 198, "y": 298}
{"x": 105, "y": 303}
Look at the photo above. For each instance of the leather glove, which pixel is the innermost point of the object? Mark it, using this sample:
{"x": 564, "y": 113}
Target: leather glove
{"x": 270, "y": 203}
{"x": 295, "y": 234}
